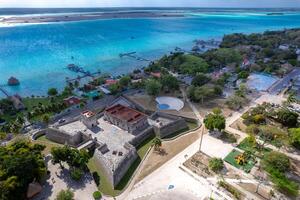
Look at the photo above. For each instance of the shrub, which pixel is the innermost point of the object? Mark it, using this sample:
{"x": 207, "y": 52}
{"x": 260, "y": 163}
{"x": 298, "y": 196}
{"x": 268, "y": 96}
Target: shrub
{"x": 65, "y": 195}
{"x": 97, "y": 195}
{"x": 216, "y": 164}
{"x": 287, "y": 118}
{"x": 259, "y": 119}
{"x": 76, "y": 174}
{"x": 237, "y": 194}
{"x": 294, "y": 138}
{"x": 96, "y": 178}
{"x": 276, "y": 160}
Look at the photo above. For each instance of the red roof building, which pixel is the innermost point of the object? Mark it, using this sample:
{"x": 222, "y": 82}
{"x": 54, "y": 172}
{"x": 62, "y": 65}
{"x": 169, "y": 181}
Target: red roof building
{"x": 156, "y": 74}
{"x": 125, "y": 117}
{"x": 109, "y": 82}
{"x": 71, "y": 101}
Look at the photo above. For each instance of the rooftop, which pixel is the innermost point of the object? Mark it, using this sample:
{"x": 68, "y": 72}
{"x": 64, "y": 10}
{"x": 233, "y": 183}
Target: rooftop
{"x": 88, "y": 114}
{"x": 125, "y": 113}
{"x": 106, "y": 133}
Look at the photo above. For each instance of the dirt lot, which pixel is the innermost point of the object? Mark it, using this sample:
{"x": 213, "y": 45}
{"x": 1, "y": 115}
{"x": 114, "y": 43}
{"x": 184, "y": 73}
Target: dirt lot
{"x": 149, "y": 103}
{"x": 239, "y": 125}
{"x": 171, "y": 148}
{"x": 207, "y": 106}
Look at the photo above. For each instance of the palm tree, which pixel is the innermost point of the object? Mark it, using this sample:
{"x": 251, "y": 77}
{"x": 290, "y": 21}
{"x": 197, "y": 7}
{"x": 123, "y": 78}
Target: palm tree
{"x": 46, "y": 119}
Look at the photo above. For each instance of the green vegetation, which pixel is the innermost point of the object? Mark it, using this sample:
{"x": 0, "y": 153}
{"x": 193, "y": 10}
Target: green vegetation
{"x": 97, "y": 195}
{"x": 216, "y": 164}
{"x": 65, "y": 195}
{"x": 153, "y": 87}
{"x": 77, "y": 160}
{"x": 169, "y": 82}
{"x": 294, "y": 137}
{"x": 104, "y": 186}
{"x": 52, "y": 92}
{"x": 73, "y": 157}
{"x": 199, "y": 94}
{"x": 248, "y": 160}
{"x": 287, "y": 118}
{"x": 249, "y": 144}
{"x": 200, "y": 80}
{"x": 232, "y": 190}
{"x": 228, "y": 137}
{"x": 277, "y": 164}
{"x": 215, "y": 121}
{"x": 20, "y": 164}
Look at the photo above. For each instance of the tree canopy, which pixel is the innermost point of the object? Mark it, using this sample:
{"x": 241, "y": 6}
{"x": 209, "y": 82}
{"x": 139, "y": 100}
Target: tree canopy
{"x": 215, "y": 121}
{"x": 20, "y": 164}
{"x": 52, "y": 92}
{"x": 153, "y": 87}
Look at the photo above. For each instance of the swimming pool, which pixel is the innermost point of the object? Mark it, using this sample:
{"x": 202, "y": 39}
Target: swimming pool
{"x": 261, "y": 81}
{"x": 163, "y": 106}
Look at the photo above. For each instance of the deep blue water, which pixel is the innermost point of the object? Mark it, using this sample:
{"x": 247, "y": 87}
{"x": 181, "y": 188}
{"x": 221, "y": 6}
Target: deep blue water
{"x": 38, "y": 54}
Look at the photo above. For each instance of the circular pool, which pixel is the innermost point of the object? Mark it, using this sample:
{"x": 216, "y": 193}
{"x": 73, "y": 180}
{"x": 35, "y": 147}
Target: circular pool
{"x": 169, "y": 103}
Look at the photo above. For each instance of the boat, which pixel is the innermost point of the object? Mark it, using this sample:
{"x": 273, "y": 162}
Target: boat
{"x": 13, "y": 81}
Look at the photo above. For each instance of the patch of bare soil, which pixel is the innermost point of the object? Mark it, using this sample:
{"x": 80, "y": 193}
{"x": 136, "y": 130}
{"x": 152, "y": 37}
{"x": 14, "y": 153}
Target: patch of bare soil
{"x": 239, "y": 125}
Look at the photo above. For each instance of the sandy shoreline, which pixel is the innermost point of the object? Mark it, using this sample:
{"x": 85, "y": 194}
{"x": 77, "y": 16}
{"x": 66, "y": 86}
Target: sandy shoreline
{"x": 84, "y": 16}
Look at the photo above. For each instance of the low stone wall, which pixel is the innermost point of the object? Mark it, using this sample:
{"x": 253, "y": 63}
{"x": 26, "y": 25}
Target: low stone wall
{"x": 141, "y": 137}
{"x": 61, "y": 137}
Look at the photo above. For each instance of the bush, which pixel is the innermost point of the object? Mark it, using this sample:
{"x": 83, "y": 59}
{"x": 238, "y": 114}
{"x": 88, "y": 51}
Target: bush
{"x": 65, "y": 195}
{"x": 76, "y": 174}
{"x": 259, "y": 119}
{"x": 97, "y": 195}
{"x": 96, "y": 178}
{"x": 287, "y": 118}
{"x": 216, "y": 164}
{"x": 294, "y": 138}
{"x": 237, "y": 194}
{"x": 276, "y": 160}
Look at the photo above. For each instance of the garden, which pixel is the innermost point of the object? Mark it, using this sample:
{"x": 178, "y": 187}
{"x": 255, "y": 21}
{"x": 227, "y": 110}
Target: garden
{"x": 244, "y": 161}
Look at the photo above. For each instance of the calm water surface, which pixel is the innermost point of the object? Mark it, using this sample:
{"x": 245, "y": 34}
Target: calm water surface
{"x": 38, "y": 54}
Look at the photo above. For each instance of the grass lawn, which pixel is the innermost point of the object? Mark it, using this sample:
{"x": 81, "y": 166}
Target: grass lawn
{"x": 49, "y": 144}
{"x": 191, "y": 126}
{"x": 105, "y": 187}
{"x": 230, "y": 158}
{"x": 247, "y": 146}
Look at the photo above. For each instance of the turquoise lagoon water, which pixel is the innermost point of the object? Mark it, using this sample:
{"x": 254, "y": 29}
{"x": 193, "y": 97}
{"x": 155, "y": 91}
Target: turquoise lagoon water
{"x": 38, "y": 54}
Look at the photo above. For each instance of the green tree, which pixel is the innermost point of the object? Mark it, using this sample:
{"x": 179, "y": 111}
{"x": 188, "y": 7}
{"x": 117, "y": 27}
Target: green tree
{"x": 153, "y": 87}
{"x": 287, "y": 118}
{"x": 20, "y": 164}
{"x": 294, "y": 137}
{"x": 215, "y": 121}
{"x": 200, "y": 79}
{"x": 170, "y": 82}
{"x": 46, "y": 118}
{"x": 216, "y": 164}
{"x": 52, "y": 92}
{"x": 65, "y": 195}
{"x": 277, "y": 161}
{"x": 157, "y": 143}
{"x": 124, "y": 81}
{"x": 97, "y": 195}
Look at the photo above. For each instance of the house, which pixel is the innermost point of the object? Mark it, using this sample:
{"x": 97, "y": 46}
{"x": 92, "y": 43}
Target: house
{"x": 284, "y": 47}
{"x": 72, "y": 101}
{"x": 126, "y": 118}
{"x": 155, "y": 74}
{"x": 110, "y": 82}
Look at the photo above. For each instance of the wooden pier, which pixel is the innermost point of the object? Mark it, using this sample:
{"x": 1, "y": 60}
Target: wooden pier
{"x": 134, "y": 56}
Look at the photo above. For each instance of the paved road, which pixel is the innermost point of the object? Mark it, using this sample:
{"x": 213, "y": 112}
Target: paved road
{"x": 284, "y": 82}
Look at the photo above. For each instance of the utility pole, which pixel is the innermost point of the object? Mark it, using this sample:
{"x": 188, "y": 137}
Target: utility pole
{"x": 201, "y": 138}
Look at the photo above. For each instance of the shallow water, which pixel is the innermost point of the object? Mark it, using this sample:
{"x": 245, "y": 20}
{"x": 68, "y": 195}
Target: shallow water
{"x": 38, "y": 54}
